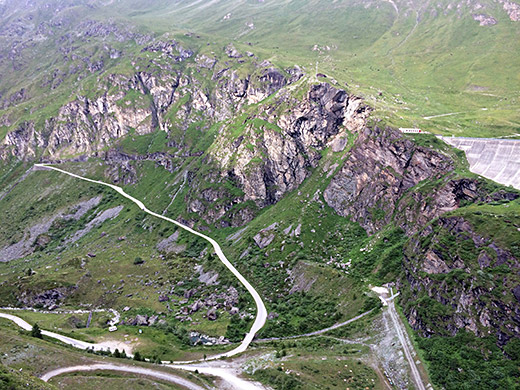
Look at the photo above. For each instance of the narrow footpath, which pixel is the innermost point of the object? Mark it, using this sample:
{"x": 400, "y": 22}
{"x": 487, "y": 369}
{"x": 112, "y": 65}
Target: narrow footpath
{"x": 318, "y": 332}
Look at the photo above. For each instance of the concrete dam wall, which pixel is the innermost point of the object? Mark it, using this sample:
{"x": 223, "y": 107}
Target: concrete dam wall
{"x": 496, "y": 159}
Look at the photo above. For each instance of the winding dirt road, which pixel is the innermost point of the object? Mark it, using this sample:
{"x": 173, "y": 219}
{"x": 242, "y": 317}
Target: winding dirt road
{"x": 227, "y": 375}
{"x": 131, "y": 369}
{"x": 261, "y": 312}
{"x": 68, "y": 340}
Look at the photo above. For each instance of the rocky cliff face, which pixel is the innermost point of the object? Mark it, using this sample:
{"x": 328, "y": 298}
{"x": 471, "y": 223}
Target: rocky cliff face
{"x": 381, "y": 167}
{"x": 82, "y": 126}
{"x": 271, "y": 152}
{"x": 424, "y": 204}
{"x": 457, "y": 278}
{"x": 164, "y": 97}
{"x": 455, "y": 274}
{"x": 387, "y": 178}
{"x": 274, "y": 153}
{"x": 271, "y": 132}
{"x": 22, "y": 143}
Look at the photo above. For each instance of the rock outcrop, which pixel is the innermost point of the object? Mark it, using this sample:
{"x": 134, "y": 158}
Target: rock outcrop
{"x": 255, "y": 159}
{"x": 424, "y": 204}
{"x": 49, "y": 299}
{"x": 455, "y": 278}
{"x": 265, "y": 236}
{"x": 512, "y": 9}
{"x": 22, "y": 143}
{"x": 381, "y": 167}
{"x": 276, "y": 149}
{"x": 388, "y": 179}
{"x": 160, "y": 98}
{"x": 484, "y": 20}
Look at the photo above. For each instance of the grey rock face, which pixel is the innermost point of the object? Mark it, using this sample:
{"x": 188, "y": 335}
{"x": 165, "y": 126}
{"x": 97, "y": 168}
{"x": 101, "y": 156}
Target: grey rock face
{"x": 265, "y": 236}
{"x": 375, "y": 185}
{"x": 141, "y": 320}
{"x": 469, "y": 301}
{"x": 381, "y": 167}
{"x": 169, "y": 245}
{"x": 196, "y": 306}
{"x": 512, "y": 9}
{"x": 36, "y": 236}
{"x": 89, "y": 124}
{"x": 484, "y": 20}
{"x": 23, "y": 142}
{"x": 212, "y": 314}
{"x": 47, "y": 299}
{"x": 273, "y": 156}
{"x": 152, "y": 320}
{"x": 232, "y": 52}
{"x": 275, "y": 159}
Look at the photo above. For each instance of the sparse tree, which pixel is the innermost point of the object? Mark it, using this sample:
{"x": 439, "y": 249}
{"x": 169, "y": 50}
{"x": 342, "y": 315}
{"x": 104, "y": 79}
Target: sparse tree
{"x": 36, "y": 331}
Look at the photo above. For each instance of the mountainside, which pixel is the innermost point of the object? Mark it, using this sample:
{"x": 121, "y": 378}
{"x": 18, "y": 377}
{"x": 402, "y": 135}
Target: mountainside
{"x": 430, "y": 58}
{"x": 273, "y": 128}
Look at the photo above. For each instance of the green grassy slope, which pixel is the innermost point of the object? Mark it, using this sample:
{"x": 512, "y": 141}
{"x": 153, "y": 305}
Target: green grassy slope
{"x": 419, "y": 62}
{"x": 12, "y": 380}
{"x": 426, "y": 59}
{"x": 109, "y": 276}
{"x": 25, "y": 358}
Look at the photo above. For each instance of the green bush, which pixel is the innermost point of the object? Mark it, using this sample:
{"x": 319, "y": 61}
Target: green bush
{"x": 278, "y": 379}
{"x": 467, "y": 362}
{"x": 36, "y": 331}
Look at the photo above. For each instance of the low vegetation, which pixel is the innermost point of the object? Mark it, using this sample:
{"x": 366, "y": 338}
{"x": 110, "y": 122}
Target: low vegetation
{"x": 318, "y": 363}
{"x": 468, "y": 362}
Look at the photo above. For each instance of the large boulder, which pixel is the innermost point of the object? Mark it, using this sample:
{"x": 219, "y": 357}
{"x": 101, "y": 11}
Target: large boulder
{"x": 212, "y": 314}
